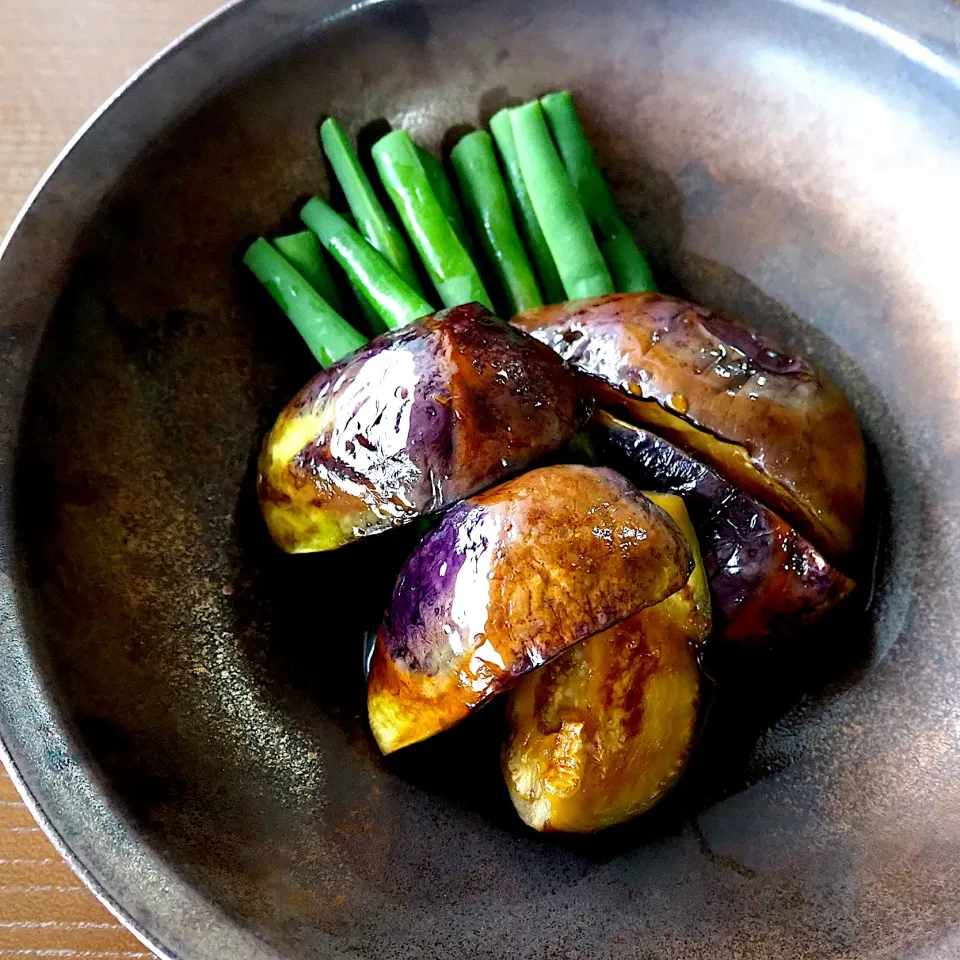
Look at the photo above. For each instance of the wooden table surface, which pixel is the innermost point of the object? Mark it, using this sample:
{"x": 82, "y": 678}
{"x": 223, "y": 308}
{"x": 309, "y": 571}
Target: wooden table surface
{"x": 59, "y": 59}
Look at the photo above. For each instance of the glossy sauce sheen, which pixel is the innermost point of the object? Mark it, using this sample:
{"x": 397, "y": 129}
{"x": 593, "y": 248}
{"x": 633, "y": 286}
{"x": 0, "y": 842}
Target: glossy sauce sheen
{"x": 414, "y": 421}
{"x": 602, "y": 732}
{"x": 765, "y": 578}
{"x": 505, "y": 582}
{"x": 773, "y": 424}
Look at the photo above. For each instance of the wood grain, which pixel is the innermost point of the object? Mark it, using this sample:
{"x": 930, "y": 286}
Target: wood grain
{"x": 59, "y": 59}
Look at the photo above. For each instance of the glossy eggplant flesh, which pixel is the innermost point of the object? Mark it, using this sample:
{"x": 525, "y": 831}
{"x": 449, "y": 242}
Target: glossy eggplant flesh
{"x": 601, "y": 733}
{"x": 773, "y": 424}
{"x": 767, "y": 581}
{"x": 508, "y": 580}
{"x": 416, "y": 420}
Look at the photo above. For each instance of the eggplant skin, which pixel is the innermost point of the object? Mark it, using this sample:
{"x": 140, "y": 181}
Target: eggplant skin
{"x": 766, "y": 580}
{"x": 506, "y": 581}
{"x": 417, "y": 419}
{"x": 601, "y": 733}
{"x": 775, "y": 425}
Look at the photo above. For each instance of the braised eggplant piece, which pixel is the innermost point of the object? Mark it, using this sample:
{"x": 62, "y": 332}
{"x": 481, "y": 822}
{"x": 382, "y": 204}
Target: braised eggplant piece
{"x": 602, "y": 732}
{"x": 765, "y": 578}
{"x": 414, "y": 421}
{"x": 773, "y": 424}
{"x": 506, "y": 581}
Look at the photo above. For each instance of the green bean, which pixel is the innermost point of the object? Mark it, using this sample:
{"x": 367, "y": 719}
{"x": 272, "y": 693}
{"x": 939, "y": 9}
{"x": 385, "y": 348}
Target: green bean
{"x": 374, "y": 322}
{"x": 443, "y": 191}
{"x": 372, "y": 319}
{"x": 371, "y": 219}
{"x": 535, "y": 241}
{"x": 451, "y": 270}
{"x": 488, "y": 206}
{"x": 304, "y": 252}
{"x": 575, "y": 252}
{"x": 325, "y": 332}
{"x": 627, "y": 264}
{"x": 393, "y": 299}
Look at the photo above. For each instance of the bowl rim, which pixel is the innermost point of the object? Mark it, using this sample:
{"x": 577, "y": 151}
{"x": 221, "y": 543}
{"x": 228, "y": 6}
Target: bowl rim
{"x": 856, "y": 16}
{"x": 181, "y": 42}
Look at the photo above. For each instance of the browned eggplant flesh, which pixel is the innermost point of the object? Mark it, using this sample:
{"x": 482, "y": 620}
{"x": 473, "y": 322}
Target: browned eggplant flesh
{"x": 602, "y": 732}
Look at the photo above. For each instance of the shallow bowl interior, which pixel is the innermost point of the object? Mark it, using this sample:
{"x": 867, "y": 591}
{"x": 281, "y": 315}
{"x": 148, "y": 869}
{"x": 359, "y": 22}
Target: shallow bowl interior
{"x": 186, "y": 705}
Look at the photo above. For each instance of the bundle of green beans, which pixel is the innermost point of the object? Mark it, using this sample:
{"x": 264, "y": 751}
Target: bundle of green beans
{"x": 538, "y": 211}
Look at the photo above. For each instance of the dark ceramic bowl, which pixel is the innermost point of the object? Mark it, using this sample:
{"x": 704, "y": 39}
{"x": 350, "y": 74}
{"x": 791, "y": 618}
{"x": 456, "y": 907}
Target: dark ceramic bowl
{"x": 183, "y": 707}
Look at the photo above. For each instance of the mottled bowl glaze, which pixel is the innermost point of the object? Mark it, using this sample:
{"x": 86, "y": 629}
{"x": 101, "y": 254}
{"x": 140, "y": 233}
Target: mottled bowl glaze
{"x": 183, "y": 705}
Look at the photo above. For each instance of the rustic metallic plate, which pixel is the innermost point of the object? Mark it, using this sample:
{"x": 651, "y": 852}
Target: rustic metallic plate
{"x": 185, "y": 707}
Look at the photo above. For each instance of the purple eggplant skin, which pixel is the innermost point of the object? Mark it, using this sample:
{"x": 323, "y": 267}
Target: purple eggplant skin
{"x": 508, "y": 580}
{"x": 766, "y": 580}
{"x": 412, "y": 422}
{"x": 774, "y": 424}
